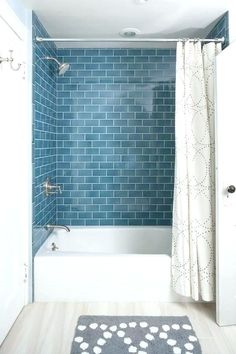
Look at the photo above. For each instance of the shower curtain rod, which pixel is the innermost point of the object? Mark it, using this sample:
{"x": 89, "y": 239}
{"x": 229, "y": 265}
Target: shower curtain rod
{"x": 84, "y": 40}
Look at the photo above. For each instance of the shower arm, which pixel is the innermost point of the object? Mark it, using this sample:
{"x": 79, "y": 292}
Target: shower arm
{"x": 54, "y": 59}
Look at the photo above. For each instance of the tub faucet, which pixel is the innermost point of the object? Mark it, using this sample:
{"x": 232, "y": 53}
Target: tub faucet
{"x": 64, "y": 227}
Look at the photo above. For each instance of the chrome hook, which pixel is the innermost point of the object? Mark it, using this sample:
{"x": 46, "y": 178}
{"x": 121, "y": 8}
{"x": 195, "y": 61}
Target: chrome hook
{"x": 10, "y": 61}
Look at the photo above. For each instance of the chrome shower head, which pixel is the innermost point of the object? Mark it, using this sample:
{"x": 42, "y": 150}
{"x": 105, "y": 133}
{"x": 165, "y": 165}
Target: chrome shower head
{"x": 62, "y": 67}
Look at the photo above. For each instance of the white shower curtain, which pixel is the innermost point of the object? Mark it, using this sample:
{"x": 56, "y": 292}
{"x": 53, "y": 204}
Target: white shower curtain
{"x": 193, "y": 235}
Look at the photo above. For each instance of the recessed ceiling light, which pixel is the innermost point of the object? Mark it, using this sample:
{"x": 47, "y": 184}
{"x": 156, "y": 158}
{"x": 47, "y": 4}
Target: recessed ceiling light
{"x": 141, "y": 2}
{"x": 129, "y": 32}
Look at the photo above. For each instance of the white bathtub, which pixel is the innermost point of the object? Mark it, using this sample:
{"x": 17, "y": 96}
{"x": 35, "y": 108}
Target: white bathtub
{"x": 105, "y": 264}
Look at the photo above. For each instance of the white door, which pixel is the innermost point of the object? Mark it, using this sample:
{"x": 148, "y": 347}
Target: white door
{"x": 13, "y": 173}
{"x": 226, "y": 183}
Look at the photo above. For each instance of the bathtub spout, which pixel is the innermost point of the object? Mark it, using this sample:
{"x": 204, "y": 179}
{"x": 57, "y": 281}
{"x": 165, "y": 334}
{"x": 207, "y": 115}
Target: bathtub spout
{"x": 64, "y": 227}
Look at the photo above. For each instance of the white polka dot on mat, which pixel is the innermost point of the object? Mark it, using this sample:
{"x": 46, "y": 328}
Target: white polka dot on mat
{"x": 85, "y": 353}
{"x": 186, "y": 326}
{"x": 101, "y": 341}
{"x": 143, "y": 344}
{"x": 113, "y": 328}
{"x": 103, "y": 327}
{"x": 107, "y": 335}
{"x": 123, "y": 325}
{"x": 84, "y": 345}
{"x": 93, "y": 325}
{"x": 141, "y": 352}
{"x": 163, "y": 335}
{"x": 153, "y": 329}
{"x": 127, "y": 340}
{"x": 79, "y": 339}
{"x": 143, "y": 324}
{"x": 132, "y": 324}
{"x": 176, "y": 350}
{"x": 192, "y": 338}
{"x": 97, "y": 350}
{"x": 81, "y": 328}
{"x": 166, "y": 328}
{"x": 175, "y": 326}
{"x": 121, "y": 333}
{"x": 132, "y": 349}
{"x": 149, "y": 336}
{"x": 171, "y": 342}
{"x": 188, "y": 346}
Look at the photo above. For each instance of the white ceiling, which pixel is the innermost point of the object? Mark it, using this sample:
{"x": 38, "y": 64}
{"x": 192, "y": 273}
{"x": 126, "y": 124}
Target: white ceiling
{"x": 106, "y": 18}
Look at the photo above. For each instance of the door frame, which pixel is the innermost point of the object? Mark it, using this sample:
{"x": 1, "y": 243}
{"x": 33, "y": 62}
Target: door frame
{"x": 22, "y": 27}
{"x": 224, "y": 229}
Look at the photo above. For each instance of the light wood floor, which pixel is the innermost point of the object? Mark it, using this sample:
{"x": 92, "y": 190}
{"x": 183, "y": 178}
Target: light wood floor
{"x": 48, "y": 328}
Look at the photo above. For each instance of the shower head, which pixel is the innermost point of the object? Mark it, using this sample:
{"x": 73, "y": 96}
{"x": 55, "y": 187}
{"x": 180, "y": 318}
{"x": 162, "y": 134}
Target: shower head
{"x": 62, "y": 67}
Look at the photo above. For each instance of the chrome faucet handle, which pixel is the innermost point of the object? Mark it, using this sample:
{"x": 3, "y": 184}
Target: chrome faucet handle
{"x": 50, "y": 188}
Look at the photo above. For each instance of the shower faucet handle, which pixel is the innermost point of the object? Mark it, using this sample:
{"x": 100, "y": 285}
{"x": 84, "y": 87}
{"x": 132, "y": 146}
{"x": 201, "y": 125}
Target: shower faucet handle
{"x": 50, "y": 189}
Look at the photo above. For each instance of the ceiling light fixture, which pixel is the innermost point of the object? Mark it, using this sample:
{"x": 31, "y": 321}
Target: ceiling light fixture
{"x": 141, "y": 2}
{"x": 129, "y": 32}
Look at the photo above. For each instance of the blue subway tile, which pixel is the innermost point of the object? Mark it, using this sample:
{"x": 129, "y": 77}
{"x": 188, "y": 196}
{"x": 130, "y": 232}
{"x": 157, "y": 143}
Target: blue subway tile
{"x": 113, "y": 120}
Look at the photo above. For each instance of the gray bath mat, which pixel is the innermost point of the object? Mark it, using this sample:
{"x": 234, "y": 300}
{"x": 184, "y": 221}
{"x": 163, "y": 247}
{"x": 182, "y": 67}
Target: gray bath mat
{"x": 134, "y": 334}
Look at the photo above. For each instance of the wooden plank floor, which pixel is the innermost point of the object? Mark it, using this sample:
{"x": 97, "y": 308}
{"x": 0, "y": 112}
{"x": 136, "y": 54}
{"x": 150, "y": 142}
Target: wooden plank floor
{"x": 48, "y": 328}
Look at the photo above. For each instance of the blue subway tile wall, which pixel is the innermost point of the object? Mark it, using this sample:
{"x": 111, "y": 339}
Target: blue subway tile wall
{"x": 221, "y": 29}
{"x": 105, "y": 131}
{"x": 44, "y": 134}
{"x": 115, "y": 136}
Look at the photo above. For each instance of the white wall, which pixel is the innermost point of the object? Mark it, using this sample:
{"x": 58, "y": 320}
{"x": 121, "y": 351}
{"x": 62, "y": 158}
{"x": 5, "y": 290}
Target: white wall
{"x": 19, "y": 9}
{"x": 25, "y": 16}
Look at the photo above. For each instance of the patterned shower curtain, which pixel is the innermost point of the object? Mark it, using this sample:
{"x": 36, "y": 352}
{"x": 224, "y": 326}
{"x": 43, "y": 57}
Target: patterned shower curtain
{"x": 193, "y": 238}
